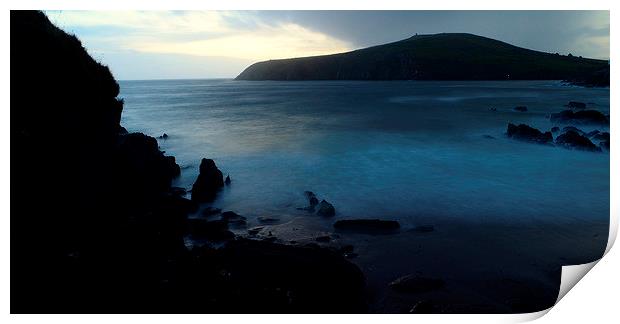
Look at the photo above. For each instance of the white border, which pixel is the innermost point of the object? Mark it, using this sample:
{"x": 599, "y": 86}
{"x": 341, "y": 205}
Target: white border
{"x": 596, "y": 298}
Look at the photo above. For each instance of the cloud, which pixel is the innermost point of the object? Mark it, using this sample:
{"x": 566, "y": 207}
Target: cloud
{"x": 201, "y": 33}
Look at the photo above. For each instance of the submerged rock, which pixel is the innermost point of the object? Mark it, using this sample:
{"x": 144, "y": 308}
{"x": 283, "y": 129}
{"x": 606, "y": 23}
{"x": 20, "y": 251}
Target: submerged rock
{"x": 529, "y": 134}
{"x": 520, "y": 108}
{"x": 576, "y": 104}
{"x": 208, "y": 183}
{"x": 574, "y": 140}
{"x": 580, "y": 117}
{"x": 555, "y": 129}
{"x": 416, "y": 284}
{"x": 164, "y": 136}
{"x": 367, "y": 225}
{"x": 326, "y": 209}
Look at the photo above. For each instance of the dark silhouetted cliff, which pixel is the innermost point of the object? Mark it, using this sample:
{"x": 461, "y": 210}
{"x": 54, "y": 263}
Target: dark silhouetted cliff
{"x": 96, "y": 226}
{"x": 429, "y": 57}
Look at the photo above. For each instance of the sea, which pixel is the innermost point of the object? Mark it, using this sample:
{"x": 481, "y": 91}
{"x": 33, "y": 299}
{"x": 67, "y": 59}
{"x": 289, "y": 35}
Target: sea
{"x": 413, "y": 151}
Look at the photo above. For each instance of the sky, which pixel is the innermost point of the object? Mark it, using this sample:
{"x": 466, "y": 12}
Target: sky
{"x": 139, "y": 45}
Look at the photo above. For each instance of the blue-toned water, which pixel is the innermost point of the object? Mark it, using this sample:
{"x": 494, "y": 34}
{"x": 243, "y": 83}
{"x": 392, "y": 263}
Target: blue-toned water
{"x": 412, "y": 151}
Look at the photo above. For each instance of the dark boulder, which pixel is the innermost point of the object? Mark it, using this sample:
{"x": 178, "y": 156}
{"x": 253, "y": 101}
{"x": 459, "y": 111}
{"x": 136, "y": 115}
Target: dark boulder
{"x": 594, "y": 117}
{"x": 208, "y": 183}
{"x": 520, "y": 108}
{"x": 574, "y": 140}
{"x": 227, "y": 180}
{"x": 367, "y": 225}
{"x": 326, "y": 209}
{"x": 529, "y": 134}
{"x": 576, "y": 104}
{"x": 416, "y": 284}
{"x": 164, "y": 136}
{"x": 555, "y": 129}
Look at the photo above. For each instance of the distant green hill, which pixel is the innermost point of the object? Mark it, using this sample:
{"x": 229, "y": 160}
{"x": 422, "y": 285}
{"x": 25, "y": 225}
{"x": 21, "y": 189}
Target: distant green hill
{"x": 430, "y": 57}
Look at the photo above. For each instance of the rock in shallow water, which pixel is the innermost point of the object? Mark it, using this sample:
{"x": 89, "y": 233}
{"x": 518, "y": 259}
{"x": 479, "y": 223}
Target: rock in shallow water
{"x": 574, "y": 140}
{"x": 529, "y": 134}
{"x": 580, "y": 117}
{"x": 208, "y": 183}
{"x": 326, "y": 209}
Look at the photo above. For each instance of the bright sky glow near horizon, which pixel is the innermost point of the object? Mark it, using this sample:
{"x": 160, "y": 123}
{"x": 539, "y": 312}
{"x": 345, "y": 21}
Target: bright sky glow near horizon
{"x": 220, "y": 44}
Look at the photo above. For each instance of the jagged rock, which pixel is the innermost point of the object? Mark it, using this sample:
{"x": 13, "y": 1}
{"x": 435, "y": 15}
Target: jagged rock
{"x": 576, "y": 104}
{"x": 573, "y": 140}
{"x": 529, "y": 134}
{"x": 555, "y": 129}
{"x": 164, "y": 136}
{"x": 208, "y": 183}
{"x": 416, "y": 284}
{"x": 367, "y": 225}
{"x": 580, "y": 117}
{"x": 520, "y": 108}
{"x": 227, "y": 181}
{"x": 326, "y": 209}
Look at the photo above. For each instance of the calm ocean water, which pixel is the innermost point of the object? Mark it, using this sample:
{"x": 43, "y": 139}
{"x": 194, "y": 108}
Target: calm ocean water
{"x": 412, "y": 151}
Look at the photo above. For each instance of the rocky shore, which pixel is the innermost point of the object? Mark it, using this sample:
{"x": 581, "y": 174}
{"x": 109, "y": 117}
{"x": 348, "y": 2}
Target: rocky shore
{"x": 96, "y": 226}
